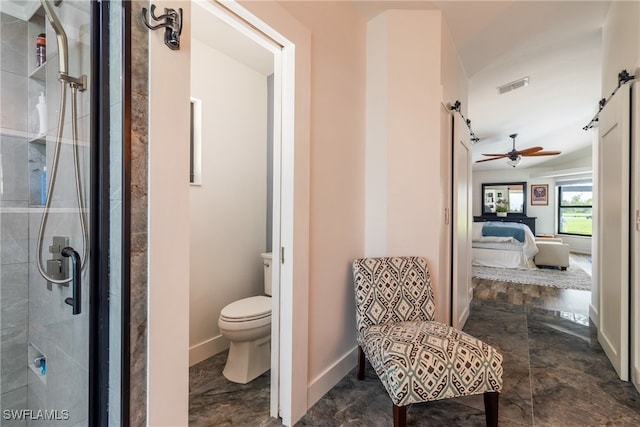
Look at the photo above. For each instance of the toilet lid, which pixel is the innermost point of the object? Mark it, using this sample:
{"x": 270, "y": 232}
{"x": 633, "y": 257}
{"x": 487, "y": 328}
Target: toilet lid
{"x": 247, "y": 309}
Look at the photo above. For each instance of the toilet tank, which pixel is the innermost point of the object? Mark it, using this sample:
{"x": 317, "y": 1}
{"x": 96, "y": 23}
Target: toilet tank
{"x": 266, "y": 262}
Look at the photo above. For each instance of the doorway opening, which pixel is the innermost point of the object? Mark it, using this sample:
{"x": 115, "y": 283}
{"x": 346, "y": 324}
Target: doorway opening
{"x": 235, "y": 196}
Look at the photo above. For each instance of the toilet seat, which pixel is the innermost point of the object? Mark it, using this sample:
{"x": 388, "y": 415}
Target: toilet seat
{"x": 248, "y": 310}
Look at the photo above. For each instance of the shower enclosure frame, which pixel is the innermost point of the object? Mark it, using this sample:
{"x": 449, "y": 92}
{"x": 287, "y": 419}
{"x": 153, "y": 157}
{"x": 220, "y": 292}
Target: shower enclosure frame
{"x": 81, "y": 376}
{"x": 100, "y": 208}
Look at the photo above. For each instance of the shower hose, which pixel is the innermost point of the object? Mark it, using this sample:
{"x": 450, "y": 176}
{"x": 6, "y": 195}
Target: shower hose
{"x": 52, "y": 181}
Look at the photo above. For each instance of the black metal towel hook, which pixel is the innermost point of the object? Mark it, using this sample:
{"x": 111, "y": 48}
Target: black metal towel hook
{"x": 172, "y": 24}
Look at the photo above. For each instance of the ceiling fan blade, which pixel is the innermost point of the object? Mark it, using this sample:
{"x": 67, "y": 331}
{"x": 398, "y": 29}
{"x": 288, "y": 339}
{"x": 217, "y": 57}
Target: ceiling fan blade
{"x": 501, "y": 156}
{"x": 544, "y": 153}
{"x": 529, "y": 150}
{"x": 497, "y": 155}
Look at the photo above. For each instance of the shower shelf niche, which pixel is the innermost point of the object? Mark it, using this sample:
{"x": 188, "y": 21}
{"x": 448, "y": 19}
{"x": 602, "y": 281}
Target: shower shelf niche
{"x": 38, "y": 139}
{"x": 39, "y": 73}
{"x": 37, "y": 155}
{"x": 34, "y": 354}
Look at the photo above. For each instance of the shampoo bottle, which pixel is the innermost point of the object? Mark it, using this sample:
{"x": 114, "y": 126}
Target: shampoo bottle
{"x": 42, "y": 113}
{"x": 43, "y": 186}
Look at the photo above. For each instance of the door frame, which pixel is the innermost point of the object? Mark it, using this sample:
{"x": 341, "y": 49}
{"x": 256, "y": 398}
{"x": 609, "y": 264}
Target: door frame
{"x": 283, "y": 50}
{"x": 99, "y": 222}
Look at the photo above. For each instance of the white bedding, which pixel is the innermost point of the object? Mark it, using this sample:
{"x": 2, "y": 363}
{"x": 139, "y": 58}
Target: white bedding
{"x": 501, "y": 258}
{"x": 506, "y": 252}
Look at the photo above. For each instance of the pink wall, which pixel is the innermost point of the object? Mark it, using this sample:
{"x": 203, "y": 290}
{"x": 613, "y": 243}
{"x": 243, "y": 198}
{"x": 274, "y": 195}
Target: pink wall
{"x": 333, "y": 101}
{"x": 336, "y": 168}
{"x": 408, "y": 144}
{"x": 337, "y": 176}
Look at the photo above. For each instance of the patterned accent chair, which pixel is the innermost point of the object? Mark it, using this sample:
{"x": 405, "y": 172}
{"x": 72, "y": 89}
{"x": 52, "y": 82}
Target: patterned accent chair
{"x": 416, "y": 358}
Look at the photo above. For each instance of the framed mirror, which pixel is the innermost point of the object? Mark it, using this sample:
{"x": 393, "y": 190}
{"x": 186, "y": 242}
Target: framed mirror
{"x": 509, "y": 197}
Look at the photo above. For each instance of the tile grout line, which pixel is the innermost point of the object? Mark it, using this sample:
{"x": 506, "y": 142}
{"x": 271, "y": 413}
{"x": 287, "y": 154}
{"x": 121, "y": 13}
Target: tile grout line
{"x": 526, "y": 324}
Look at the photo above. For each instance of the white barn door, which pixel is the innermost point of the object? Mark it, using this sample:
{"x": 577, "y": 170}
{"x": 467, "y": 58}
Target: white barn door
{"x": 461, "y": 292}
{"x": 613, "y": 225}
{"x": 635, "y": 234}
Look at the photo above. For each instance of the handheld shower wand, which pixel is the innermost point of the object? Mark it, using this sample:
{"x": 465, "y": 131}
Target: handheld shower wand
{"x": 61, "y": 36}
{"x": 63, "y": 49}
{"x": 76, "y": 84}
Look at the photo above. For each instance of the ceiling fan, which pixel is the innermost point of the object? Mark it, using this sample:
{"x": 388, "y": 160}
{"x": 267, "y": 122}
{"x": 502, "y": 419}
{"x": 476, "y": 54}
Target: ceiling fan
{"x": 516, "y": 155}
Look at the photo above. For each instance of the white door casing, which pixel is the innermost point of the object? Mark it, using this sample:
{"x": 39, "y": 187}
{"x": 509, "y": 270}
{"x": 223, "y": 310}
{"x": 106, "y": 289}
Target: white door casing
{"x": 446, "y": 254}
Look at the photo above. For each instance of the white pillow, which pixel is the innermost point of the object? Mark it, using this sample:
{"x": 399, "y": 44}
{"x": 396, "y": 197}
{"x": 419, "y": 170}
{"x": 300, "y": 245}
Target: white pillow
{"x": 476, "y": 231}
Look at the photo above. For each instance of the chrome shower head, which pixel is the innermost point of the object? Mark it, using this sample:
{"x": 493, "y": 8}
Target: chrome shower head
{"x": 61, "y": 36}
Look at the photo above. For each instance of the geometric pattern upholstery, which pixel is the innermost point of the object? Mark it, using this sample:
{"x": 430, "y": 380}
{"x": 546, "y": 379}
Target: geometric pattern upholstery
{"x": 394, "y": 289}
{"x": 417, "y": 359}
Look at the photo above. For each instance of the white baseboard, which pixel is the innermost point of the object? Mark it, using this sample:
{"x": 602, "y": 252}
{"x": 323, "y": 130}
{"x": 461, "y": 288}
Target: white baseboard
{"x": 464, "y": 316}
{"x": 324, "y": 382}
{"x": 593, "y": 315}
{"x": 207, "y": 348}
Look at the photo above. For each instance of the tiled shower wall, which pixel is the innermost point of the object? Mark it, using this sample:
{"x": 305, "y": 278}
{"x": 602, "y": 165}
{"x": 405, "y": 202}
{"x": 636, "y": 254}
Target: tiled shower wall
{"x": 14, "y": 199}
{"x": 33, "y": 318}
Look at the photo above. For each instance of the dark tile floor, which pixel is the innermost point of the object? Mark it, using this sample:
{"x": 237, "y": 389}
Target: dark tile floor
{"x": 555, "y": 374}
{"x": 216, "y": 401}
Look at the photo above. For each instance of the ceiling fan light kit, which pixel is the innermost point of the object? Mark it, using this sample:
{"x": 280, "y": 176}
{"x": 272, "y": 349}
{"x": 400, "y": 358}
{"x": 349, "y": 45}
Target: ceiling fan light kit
{"x": 515, "y": 156}
{"x": 514, "y": 162}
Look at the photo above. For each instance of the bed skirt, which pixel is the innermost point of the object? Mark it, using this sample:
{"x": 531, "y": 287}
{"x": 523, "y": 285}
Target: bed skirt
{"x": 501, "y": 258}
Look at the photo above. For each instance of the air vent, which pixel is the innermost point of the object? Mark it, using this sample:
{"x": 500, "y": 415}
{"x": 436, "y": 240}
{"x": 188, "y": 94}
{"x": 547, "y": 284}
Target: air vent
{"x": 513, "y": 86}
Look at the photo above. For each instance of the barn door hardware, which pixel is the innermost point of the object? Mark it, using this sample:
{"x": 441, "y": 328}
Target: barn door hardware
{"x": 171, "y": 21}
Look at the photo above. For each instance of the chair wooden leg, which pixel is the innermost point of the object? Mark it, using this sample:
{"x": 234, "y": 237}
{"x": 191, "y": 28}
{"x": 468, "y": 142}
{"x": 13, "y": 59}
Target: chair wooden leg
{"x": 491, "y": 408}
{"x": 360, "y": 363}
{"x": 399, "y": 416}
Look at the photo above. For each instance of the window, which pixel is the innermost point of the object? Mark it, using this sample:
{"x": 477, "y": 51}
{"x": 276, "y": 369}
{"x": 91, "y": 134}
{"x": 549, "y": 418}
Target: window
{"x": 575, "y": 209}
{"x": 195, "y": 143}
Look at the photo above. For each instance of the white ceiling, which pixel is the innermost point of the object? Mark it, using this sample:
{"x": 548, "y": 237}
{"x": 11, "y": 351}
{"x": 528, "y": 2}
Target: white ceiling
{"x": 219, "y": 35}
{"x": 554, "y": 43}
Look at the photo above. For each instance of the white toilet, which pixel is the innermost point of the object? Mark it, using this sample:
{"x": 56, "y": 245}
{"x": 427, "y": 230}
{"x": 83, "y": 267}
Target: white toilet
{"x": 247, "y": 325}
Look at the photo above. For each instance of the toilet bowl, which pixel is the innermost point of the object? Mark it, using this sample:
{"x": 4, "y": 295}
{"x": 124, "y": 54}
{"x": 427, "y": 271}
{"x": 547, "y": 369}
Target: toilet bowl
{"x": 246, "y": 323}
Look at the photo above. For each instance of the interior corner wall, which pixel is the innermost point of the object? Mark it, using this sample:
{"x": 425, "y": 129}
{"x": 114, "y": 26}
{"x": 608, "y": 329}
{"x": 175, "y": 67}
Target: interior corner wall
{"x": 377, "y": 135}
{"x": 404, "y": 170}
{"x": 455, "y": 82}
{"x": 336, "y": 185}
{"x": 228, "y": 211}
{"x": 167, "y": 364}
{"x": 620, "y": 43}
{"x": 296, "y": 149}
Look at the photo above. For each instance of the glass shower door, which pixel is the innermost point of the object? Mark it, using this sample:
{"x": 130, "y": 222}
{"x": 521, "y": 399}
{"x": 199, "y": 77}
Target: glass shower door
{"x": 46, "y": 278}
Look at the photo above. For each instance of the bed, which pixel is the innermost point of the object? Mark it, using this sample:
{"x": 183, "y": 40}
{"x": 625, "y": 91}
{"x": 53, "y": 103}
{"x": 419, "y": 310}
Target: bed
{"x": 503, "y": 244}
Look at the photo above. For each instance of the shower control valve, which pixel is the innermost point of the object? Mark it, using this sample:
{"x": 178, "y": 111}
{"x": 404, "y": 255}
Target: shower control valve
{"x": 58, "y": 265}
